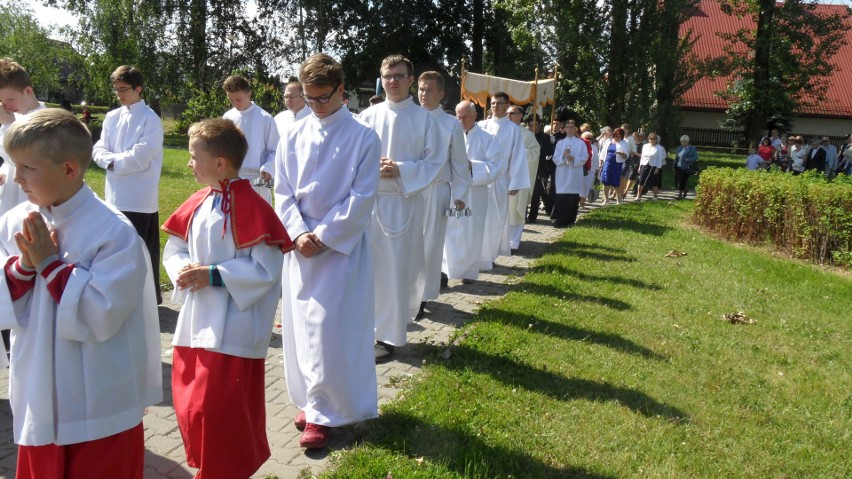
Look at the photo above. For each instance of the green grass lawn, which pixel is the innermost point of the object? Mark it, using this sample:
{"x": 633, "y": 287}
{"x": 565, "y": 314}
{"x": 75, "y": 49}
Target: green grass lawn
{"x": 610, "y": 360}
{"x": 176, "y": 184}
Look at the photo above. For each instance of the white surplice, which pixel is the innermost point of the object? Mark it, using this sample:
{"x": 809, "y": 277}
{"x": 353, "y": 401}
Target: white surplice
{"x": 513, "y": 174}
{"x": 87, "y": 367}
{"x": 452, "y": 184}
{"x": 518, "y": 203}
{"x": 235, "y": 319}
{"x": 285, "y": 120}
{"x": 262, "y": 135}
{"x": 463, "y": 243}
{"x": 411, "y": 137}
{"x": 327, "y": 172}
{"x": 132, "y": 142}
{"x": 11, "y": 194}
{"x": 569, "y": 175}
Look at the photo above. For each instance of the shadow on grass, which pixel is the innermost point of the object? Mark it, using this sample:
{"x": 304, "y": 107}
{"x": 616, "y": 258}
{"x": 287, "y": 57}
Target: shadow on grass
{"x": 627, "y": 224}
{"x": 587, "y": 251}
{"x": 514, "y": 374}
{"x": 564, "y": 331}
{"x": 461, "y": 451}
{"x": 561, "y": 270}
{"x": 552, "y": 291}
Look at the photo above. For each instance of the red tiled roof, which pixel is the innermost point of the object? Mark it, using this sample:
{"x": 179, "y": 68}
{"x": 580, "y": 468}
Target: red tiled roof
{"x": 707, "y": 19}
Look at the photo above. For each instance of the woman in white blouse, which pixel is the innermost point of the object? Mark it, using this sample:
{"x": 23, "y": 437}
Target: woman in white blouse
{"x": 651, "y": 165}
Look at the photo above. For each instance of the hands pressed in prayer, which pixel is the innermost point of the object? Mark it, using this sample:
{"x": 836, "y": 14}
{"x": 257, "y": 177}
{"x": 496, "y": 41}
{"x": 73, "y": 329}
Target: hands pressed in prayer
{"x": 459, "y": 204}
{"x": 388, "y": 169}
{"x": 193, "y": 277}
{"x": 35, "y": 240}
{"x": 308, "y": 244}
{"x": 513, "y": 192}
{"x": 2, "y": 180}
{"x": 266, "y": 176}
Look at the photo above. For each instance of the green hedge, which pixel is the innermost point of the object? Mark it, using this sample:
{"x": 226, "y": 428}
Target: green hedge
{"x": 806, "y": 216}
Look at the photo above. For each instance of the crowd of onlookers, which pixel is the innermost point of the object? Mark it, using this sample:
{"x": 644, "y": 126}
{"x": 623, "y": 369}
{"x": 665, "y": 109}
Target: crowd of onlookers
{"x": 796, "y": 154}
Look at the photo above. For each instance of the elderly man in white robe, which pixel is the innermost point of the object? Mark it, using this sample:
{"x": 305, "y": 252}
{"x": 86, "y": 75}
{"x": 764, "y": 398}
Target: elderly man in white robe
{"x": 412, "y": 157}
{"x": 327, "y": 172}
{"x": 296, "y": 109}
{"x": 447, "y": 191}
{"x": 463, "y": 244}
{"x": 569, "y": 157}
{"x": 261, "y": 133}
{"x": 518, "y": 203}
{"x": 513, "y": 175}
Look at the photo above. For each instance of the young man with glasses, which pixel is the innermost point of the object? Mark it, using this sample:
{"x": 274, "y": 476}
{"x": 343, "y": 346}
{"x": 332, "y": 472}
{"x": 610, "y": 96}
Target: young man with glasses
{"x": 131, "y": 152}
{"x": 513, "y": 175}
{"x": 412, "y": 157}
{"x": 261, "y": 133}
{"x": 296, "y": 108}
{"x": 327, "y": 172}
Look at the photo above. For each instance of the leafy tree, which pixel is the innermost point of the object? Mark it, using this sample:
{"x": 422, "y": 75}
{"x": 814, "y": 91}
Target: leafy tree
{"x": 793, "y": 47}
{"x": 25, "y": 41}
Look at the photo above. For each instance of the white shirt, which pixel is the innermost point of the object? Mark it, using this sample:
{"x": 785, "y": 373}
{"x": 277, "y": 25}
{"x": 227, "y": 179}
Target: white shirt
{"x": 262, "y": 136}
{"x": 569, "y": 174}
{"x": 132, "y": 143}
{"x": 85, "y": 368}
{"x": 654, "y": 156}
{"x": 513, "y": 156}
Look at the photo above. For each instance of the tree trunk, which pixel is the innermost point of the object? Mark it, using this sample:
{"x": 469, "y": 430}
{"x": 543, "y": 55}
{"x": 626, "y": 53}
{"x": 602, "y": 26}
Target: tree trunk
{"x": 762, "y": 42}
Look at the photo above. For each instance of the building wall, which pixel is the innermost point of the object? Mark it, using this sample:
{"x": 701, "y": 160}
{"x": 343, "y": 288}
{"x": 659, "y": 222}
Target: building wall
{"x": 801, "y": 125}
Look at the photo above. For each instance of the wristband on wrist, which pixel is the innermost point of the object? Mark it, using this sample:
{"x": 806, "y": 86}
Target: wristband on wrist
{"x": 215, "y": 277}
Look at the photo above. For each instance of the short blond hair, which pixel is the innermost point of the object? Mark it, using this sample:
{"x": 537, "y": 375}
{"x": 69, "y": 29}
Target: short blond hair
{"x": 54, "y": 134}
{"x": 221, "y": 138}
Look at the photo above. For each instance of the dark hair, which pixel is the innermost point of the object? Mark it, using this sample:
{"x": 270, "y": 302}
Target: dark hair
{"x": 501, "y": 94}
{"x": 128, "y": 74}
{"x": 393, "y": 60}
{"x": 321, "y": 70}
{"x": 13, "y": 75}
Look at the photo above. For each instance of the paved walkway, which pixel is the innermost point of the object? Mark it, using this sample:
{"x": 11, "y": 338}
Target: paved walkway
{"x": 164, "y": 457}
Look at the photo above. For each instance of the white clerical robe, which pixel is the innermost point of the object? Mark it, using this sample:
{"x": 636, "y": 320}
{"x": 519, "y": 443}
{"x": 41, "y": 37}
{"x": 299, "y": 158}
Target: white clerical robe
{"x": 235, "y": 319}
{"x": 463, "y": 243}
{"x": 569, "y": 175}
{"x": 411, "y": 137}
{"x": 518, "y": 203}
{"x": 513, "y": 175}
{"x": 285, "y": 120}
{"x": 87, "y": 367}
{"x": 11, "y": 194}
{"x": 327, "y": 172}
{"x": 262, "y": 136}
{"x": 450, "y": 185}
{"x": 132, "y": 144}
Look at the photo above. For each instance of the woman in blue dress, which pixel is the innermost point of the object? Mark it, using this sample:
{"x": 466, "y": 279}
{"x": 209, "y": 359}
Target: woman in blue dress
{"x": 616, "y": 152}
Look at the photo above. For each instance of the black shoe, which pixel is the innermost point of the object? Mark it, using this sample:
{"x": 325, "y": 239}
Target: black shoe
{"x": 531, "y": 221}
{"x": 383, "y": 352}
{"x": 422, "y": 312}
{"x": 467, "y": 281}
{"x": 445, "y": 281}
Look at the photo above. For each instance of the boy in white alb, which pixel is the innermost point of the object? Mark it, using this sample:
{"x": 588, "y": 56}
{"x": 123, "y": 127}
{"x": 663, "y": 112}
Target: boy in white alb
{"x": 85, "y": 333}
{"x": 224, "y": 258}
{"x": 131, "y": 152}
{"x": 17, "y": 102}
{"x": 261, "y": 133}
{"x": 327, "y": 171}
{"x": 448, "y": 189}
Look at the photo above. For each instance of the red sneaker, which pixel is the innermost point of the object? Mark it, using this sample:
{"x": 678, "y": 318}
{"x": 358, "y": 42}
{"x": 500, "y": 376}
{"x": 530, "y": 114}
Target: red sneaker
{"x": 300, "y": 421}
{"x": 315, "y": 436}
